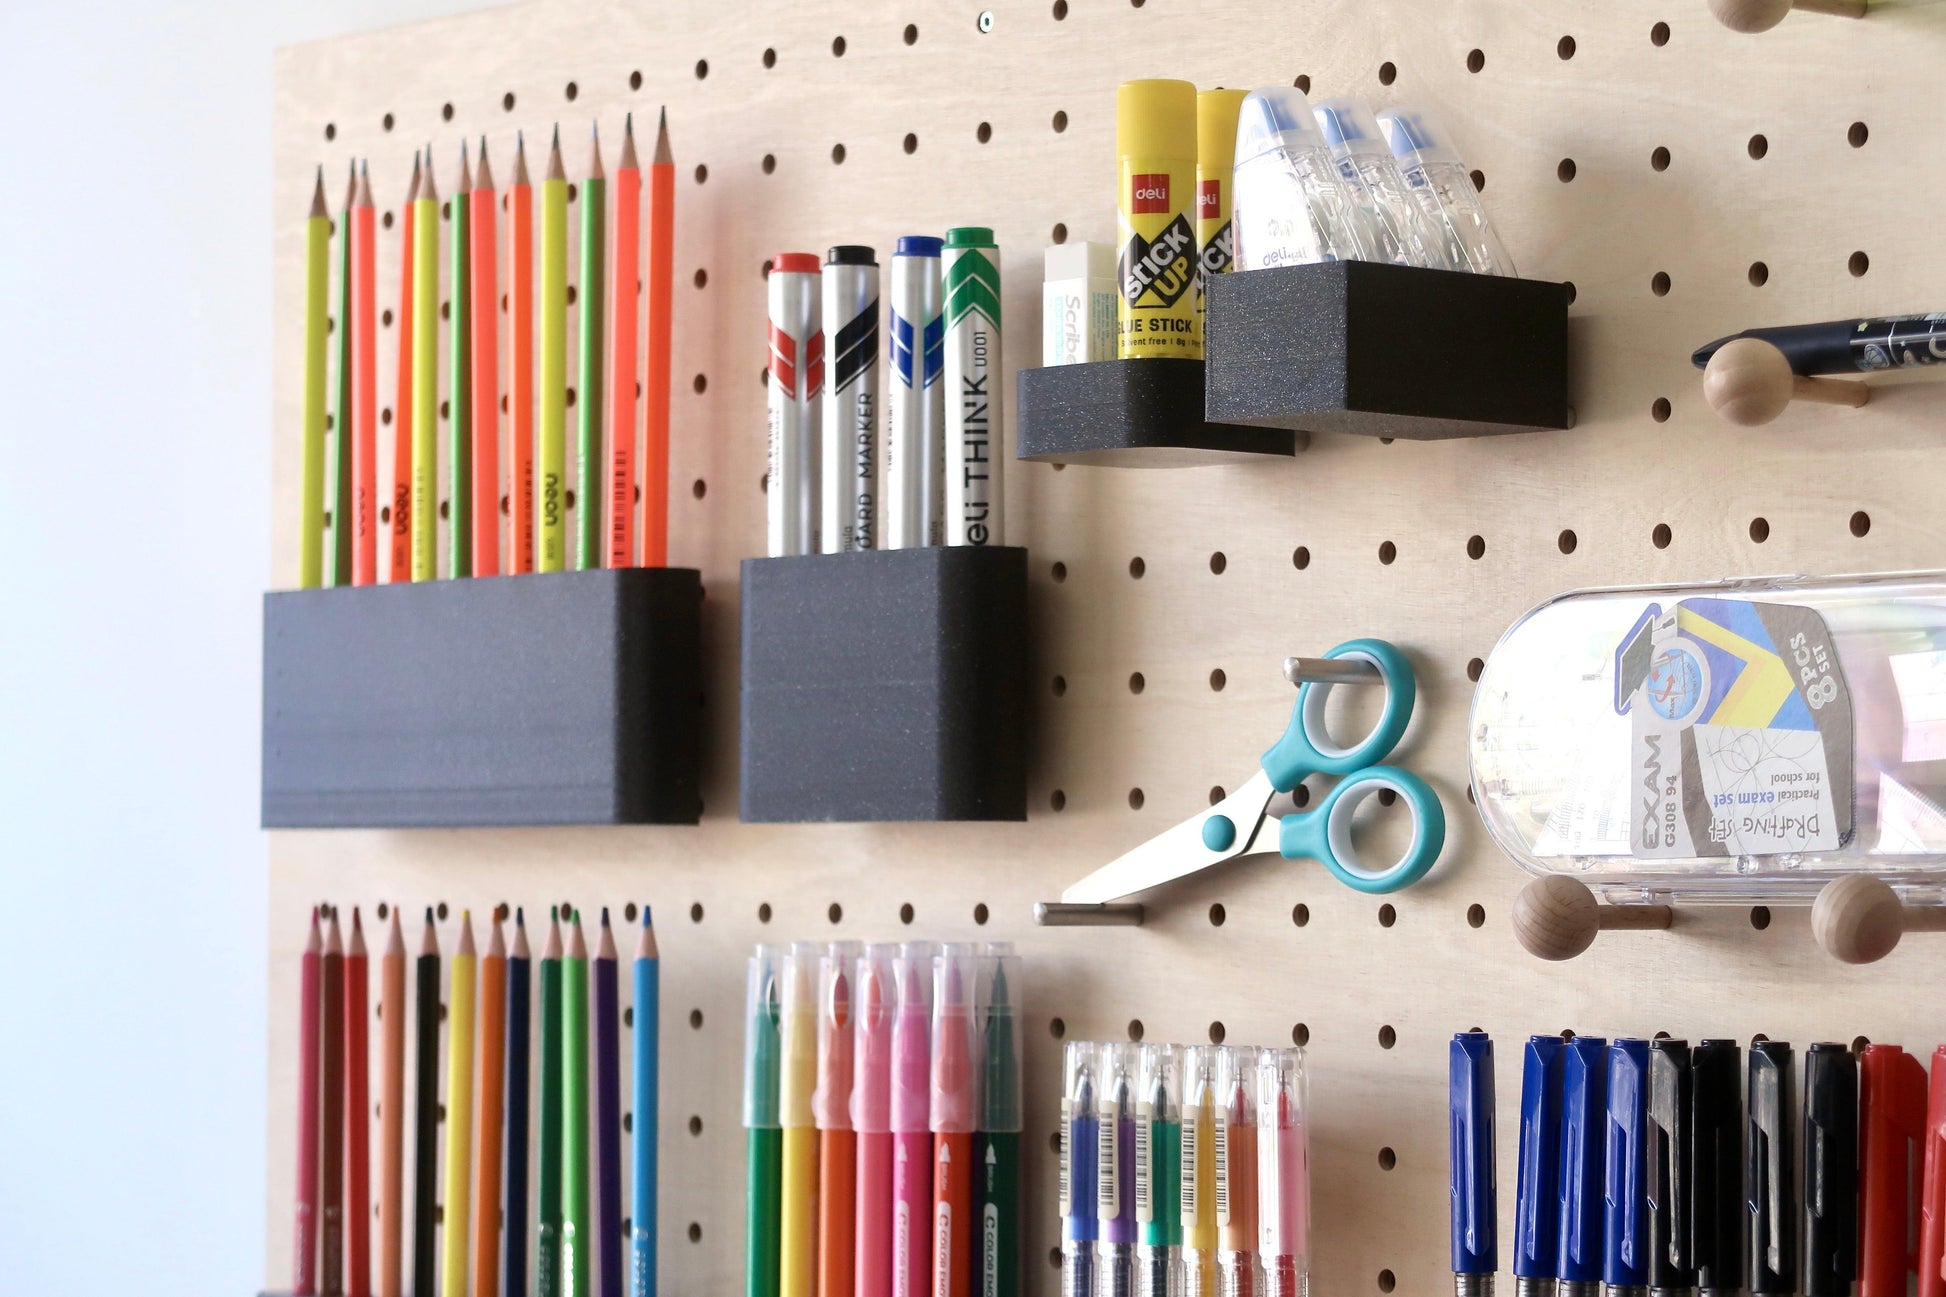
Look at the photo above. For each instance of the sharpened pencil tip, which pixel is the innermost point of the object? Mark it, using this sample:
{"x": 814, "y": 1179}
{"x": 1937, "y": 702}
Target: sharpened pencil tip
{"x": 604, "y": 916}
{"x": 557, "y": 135}
{"x": 429, "y": 914}
{"x": 520, "y": 916}
{"x": 646, "y": 921}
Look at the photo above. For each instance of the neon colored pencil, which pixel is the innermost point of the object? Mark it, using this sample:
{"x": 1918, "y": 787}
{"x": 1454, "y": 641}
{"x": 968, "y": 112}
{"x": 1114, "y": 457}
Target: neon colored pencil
{"x": 608, "y": 1111}
{"x": 655, "y": 378}
{"x": 358, "y": 1118}
{"x": 338, "y": 560}
{"x": 459, "y": 1104}
{"x": 425, "y": 376}
{"x": 486, "y": 375}
{"x": 459, "y": 402}
{"x": 514, "y": 1226}
{"x": 364, "y": 390}
{"x": 648, "y": 1106}
{"x": 425, "y": 1117}
{"x": 520, "y": 381}
{"x": 401, "y": 526}
{"x": 310, "y": 486}
{"x": 621, "y": 356}
{"x": 304, "y": 1239}
{"x": 547, "y": 1256}
{"x": 588, "y": 392}
{"x": 577, "y": 1222}
{"x": 492, "y": 1075}
{"x": 331, "y": 1109}
{"x": 552, "y": 523}
{"x": 391, "y": 1114}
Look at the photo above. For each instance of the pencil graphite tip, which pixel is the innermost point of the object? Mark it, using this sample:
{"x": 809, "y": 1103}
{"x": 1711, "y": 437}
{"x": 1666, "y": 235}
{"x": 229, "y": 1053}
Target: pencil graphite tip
{"x": 557, "y": 135}
{"x": 647, "y": 921}
{"x": 520, "y": 916}
{"x": 628, "y": 123}
{"x": 429, "y": 916}
{"x": 604, "y": 916}
{"x": 356, "y": 926}
{"x": 553, "y": 914}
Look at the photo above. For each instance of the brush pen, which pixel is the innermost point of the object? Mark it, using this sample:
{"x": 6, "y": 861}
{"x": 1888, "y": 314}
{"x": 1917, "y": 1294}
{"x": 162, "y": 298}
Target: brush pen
{"x": 1671, "y": 1184}
{"x": 1891, "y": 1122}
{"x": 1080, "y": 1154}
{"x": 648, "y": 1108}
{"x": 1584, "y": 1124}
{"x": 911, "y": 1119}
{"x": 1770, "y": 1171}
{"x": 1469, "y": 1095}
{"x": 871, "y": 1117}
{"x": 1236, "y": 1173}
{"x": 1115, "y": 1171}
{"x": 796, "y": 1079}
{"x": 837, "y": 1200}
{"x": 1283, "y": 1173}
{"x": 1001, "y": 1119}
{"x": 765, "y": 1147}
{"x": 1537, "y": 1196}
{"x": 1849, "y": 346}
{"x": 1625, "y": 1216}
{"x": 1716, "y": 1133}
{"x": 1828, "y": 1149}
{"x": 955, "y": 1116}
{"x": 1158, "y": 1172}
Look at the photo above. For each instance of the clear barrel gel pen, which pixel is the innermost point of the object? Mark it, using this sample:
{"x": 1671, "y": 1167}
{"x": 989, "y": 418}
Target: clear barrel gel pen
{"x": 1079, "y": 1154}
{"x": 1236, "y": 1173}
{"x": 1283, "y": 1173}
{"x": 1158, "y": 1173}
{"x": 1115, "y": 1173}
{"x": 1198, "y": 1171}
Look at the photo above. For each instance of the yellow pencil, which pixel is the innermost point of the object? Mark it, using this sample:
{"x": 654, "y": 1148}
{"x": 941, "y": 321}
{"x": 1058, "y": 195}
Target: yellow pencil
{"x": 425, "y": 377}
{"x": 554, "y": 365}
{"x": 317, "y": 277}
{"x": 459, "y": 1115}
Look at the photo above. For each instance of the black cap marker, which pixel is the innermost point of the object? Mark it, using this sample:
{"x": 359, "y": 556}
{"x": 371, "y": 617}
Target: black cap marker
{"x": 1672, "y": 1205}
{"x": 1770, "y": 1172}
{"x": 1716, "y": 1071}
{"x": 1829, "y": 1147}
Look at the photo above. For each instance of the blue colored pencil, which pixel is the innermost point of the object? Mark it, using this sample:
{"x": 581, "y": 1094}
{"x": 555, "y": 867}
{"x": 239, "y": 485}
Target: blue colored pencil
{"x": 519, "y": 1016}
{"x": 647, "y": 1106}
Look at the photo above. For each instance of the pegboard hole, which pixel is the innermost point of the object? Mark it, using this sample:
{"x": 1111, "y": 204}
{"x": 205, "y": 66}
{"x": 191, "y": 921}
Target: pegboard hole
{"x": 1136, "y": 567}
{"x": 1661, "y": 536}
{"x": 1059, "y": 234}
{"x": 1059, "y": 685}
{"x": 1564, "y": 48}
{"x": 1858, "y": 134}
{"x": 834, "y": 912}
{"x": 702, "y": 173}
{"x": 980, "y": 914}
{"x": 700, "y": 383}
{"x": 1479, "y": 179}
{"x": 507, "y": 102}
{"x": 1300, "y": 914}
{"x": 911, "y": 142}
{"x": 695, "y": 1125}
{"x": 1565, "y": 171}
{"x": 635, "y": 81}
{"x": 770, "y": 163}
{"x": 1300, "y": 797}
{"x": 1387, "y": 551}
{"x": 699, "y": 488}
{"x": 1659, "y": 34}
{"x": 1217, "y": 563}
{"x": 696, "y": 912}
{"x": 702, "y": 68}
{"x": 1387, "y": 1281}
{"x": 1300, "y": 558}
{"x": 1476, "y": 547}
{"x": 1135, "y": 799}
{"x": 1474, "y": 666}
{"x": 1059, "y": 572}
{"x": 906, "y": 913}
{"x": 1303, "y": 82}
{"x": 1757, "y": 147}
{"x": 1659, "y": 159}
{"x": 1759, "y": 274}
{"x": 837, "y": 154}
{"x": 572, "y": 91}
{"x": 702, "y": 278}
{"x": 1217, "y": 914}
{"x": 441, "y": 911}
{"x": 1216, "y": 1033}
{"x": 1760, "y": 917}
{"x": 1387, "y": 914}
{"x": 763, "y": 912}
{"x": 1387, "y": 74}
{"x": 1858, "y": 264}
{"x": 983, "y": 132}
{"x": 1060, "y": 10}
{"x": 1216, "y": 794}
{"x": 1387, "y": 1037}
{"x": 1300, "y": 1035}
{"x": 1056, "y": 1028}
{"x": 1569, "y": 285}
{"x": 1861, "y": 523}
{"x": 1566, "y": 541}
{"x": 1858, "y": 1044}
{"x": 837, "y": 47}
{"x": 1217, "y": 680}
{"x": 770, "y": 58}
{"x": 696, "y": 1234}
{"x": 1057, "y": 801}
{"x": 1059, "y": 121}
{"x": 1387, "y": 1159}
{"x": 1476, "y": 915}
{"x": 1759, "y": 530}
{"x": 1659, "y": 283}
{"x": 1136, "y": 683}
{"x": 695, "y": 1019}
{"x": 1475, "y": 60}
{"x": 912, "y": 33}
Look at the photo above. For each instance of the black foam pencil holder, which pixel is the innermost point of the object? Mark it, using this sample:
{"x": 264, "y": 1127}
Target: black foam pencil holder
{"x": 557, "y": 698}
{"x": 1130, "y": 414}
{"x": 885, "y": 685}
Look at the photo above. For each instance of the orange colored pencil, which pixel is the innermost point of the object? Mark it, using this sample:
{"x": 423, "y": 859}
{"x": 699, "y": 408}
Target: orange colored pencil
{"x": 486, "y": 376}
{"x": 520, "y": 383}
{"x": 391, "y": 1113}
{"x": 625, "y": 303}
{"x": 491, "y": 1079}
{"x": 358, "y": 1117}
{"x": 364, "y": 388}
{"x": 401, "y": 569}
{"x": 655, "y": 384}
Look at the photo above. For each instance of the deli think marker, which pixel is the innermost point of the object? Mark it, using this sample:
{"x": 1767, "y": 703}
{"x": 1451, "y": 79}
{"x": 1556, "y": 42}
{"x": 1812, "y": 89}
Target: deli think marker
{"x": 971, "y": 265}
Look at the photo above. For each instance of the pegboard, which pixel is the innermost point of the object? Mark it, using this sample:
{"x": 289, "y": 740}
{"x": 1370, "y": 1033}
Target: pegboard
{"x": 1688, "y": 181}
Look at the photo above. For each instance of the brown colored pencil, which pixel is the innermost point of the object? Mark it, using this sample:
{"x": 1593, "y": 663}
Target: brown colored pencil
{"x": 391, "y": 1114}
{"x": 490, "y": 1077}
{"x": 331, "y": 1112}
{"x": 358, "y": 1118}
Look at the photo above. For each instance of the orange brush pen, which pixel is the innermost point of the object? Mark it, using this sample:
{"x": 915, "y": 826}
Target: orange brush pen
{"x": 485, "y": 358}
{"x": 831, "y": 1110}
{"x": 520, "y": 382}
{"x": 955, "y": 1116}
{"x": 401, "y": 568}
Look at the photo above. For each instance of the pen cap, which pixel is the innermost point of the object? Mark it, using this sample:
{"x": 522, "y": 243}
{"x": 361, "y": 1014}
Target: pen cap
{"x": 762, "y": 1005}
{"x": 1276, "y": 118}
{"x": 1283, "y": 1165}
{"x": 1159, "y": 1081}
{"x": 794, "y": 263}
{"x": 1156, "y": 119}
{"x": 1469, "y": 1097}
{"x": 1670, "y": 1181}
{"x": 1416, "y": 136}
{"x": 837, "y": 1034}
{"x": 1000, "y": 1049}
{"x": 1625, "y": 1251}
{"x": 1716, "y": 1138}
{"x": 1349, "y": 126}
{"x": 1891, "y": 1125}
{"x": 1584, "y": 1134}
{"x": 1537, "y": 1200}
{"x": 1932, "y": 1189}
{"x": 851, "y": 254}
{"x": 917, "y": 245}
{"x": 876, "y": 995}
{"x": 1080, "y": 1077}
{"x": 798, "y": 1035}
{"x": 911, "y": 1032}
{"x": 969, "y": 236}
{"x": 1198, "y": 1170}
{"x": 1828, "y": 1147}
{"x": 1770, "y": 1170}
{"x": 955, "y": 1074}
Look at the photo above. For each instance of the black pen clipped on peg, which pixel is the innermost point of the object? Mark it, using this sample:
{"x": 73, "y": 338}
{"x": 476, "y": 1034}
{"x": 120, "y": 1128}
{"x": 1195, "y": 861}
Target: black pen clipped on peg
{"x": 1557, "y": 917}
{"x": 1859, "y": 919}
{"x": 1762, "y": 15}
{"x": 1750, "y": 382}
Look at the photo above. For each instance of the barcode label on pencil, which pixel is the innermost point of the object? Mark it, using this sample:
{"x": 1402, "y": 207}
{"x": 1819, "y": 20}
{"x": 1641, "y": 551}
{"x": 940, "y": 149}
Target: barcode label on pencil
{"x": 1067, "y": 1151}
{"x": 1222, "y": 1169}
{"x": 1144, "y": 1164}
{"x": 1108, "y": 1184}
{"x": 1190, "y": 1206}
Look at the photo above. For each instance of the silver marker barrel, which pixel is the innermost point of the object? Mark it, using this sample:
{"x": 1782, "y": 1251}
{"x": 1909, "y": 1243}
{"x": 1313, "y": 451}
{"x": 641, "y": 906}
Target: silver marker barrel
{"x": 796, "y": 381}
{"x": 915, "y": 405}
{"x": 848, "y": 485}
{"x": 971, "y": 265}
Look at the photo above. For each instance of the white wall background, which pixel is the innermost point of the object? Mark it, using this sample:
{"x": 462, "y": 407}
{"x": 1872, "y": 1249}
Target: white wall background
{"x": 135, "y": 365}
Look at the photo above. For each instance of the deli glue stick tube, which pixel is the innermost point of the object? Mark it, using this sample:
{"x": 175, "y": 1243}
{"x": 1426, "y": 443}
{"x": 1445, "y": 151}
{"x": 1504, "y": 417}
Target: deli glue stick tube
{"x": 1155, "y": 145}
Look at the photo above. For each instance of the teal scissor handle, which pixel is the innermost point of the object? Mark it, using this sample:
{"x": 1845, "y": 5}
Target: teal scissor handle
{"x": 1324, "y": 834}
{"x": 1306, "y": 748}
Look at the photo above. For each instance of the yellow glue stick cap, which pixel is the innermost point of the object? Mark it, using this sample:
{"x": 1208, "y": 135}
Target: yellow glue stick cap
{"x": 1216, "y": 126}
{"x": 1156, "y": 119}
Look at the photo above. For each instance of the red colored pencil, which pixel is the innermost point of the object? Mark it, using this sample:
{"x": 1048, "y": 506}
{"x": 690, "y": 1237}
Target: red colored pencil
{"x": 520, "y": 383}
{"x": 364, "y": 387}
{"x": 624, "y": 303}
{"x": 304, "y": 1250}
{"x": 655, "y": 384}
{"x": 486, "y": 376}
{"x": 358, "y": 1119}
{"x": 331, "y": 1107}
{"x": 401, "y": 569}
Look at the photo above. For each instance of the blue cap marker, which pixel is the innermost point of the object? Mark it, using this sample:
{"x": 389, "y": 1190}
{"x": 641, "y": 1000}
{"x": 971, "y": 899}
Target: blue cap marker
{"x": 1625, "y": 1255}
{"x": 1584, "y": 1129}
{"x": 1537, "y": 1198}
{"x": 1476, "y": 1249}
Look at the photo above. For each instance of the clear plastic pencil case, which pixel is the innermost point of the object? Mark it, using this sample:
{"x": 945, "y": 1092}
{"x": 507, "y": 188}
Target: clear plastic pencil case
{"x": 1750, "y": 740}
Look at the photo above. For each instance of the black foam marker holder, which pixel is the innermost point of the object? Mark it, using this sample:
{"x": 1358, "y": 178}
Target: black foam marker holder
{"x": 558, "y": 698}
{"x": 1387, "y": 351}
{"x": 1131, "y": 414}
{"x": 885, "y": 685}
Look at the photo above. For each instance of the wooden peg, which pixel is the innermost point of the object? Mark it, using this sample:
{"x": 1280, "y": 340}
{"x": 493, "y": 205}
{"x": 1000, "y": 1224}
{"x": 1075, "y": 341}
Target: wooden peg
{"x": 1749, "y": 382}
{"x": 1859, "y": 919}
{"x": 1557, "y": 917}
{"x": 1762, "y": 15}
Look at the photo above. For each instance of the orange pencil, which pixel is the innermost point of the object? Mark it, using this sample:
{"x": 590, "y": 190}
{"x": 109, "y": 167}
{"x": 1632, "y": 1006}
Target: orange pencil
{"x": 401, "y": 569}
{"x": 391, "y": 1112}
{"x": 520, "y": 383}
{"x": 655, "y": 385}
{"x": 364, "y": 389}
{"x": 358, "y": 1115}
{"x": 624, "y": 303}
{"x": 491, "y": 1079}
{"x": 486, "y": 376}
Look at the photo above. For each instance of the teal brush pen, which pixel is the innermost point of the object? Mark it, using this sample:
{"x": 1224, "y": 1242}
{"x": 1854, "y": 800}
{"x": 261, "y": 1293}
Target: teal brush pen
{"x": 998, "y": 1150}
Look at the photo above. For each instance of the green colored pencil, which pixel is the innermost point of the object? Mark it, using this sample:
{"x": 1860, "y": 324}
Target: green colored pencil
{"x": 425, "y": 377}
{"x": 341, "y": 414}
{"x": 459, "y": 458}
{"x": 594, "y": 274}
{"x": 577, "y": 1221}
{"x": 550, "y": 522}
{"x": 317, "y": 287}
{"x": 547, "y": 1256}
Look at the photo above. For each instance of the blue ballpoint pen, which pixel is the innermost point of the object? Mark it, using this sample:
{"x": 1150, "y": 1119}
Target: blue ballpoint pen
{"x": 1080, "y": 1149}
{"x": 1625, "y": 1249}
{"x": 1476, "y": 1250}
{"x": 1537, "y": 1198}
{"x": 1584, "y": 1129}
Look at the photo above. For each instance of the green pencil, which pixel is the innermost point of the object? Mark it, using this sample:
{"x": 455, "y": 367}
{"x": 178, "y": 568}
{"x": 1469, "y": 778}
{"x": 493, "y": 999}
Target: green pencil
{"x": 341, "y": 417}
{"x": 763, "y": 1211}
{"x": 459, "y": 459}
{"x": 588, "y": 393}
{"x": 547, "y": 1256}
{"x": 577, "y": 1221}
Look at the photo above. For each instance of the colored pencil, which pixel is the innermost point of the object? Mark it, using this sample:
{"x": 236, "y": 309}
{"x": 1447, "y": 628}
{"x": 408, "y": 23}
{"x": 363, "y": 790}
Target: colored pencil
{"x": 486, "y": 375}
{"x": 425, "y": 376}
{"x": 364, "y": 389}
{"x": 655, "y": 378}
{"x": 514, "y": 1226}
{"x": 459, "y": 401}
{"x": 459, "y": 1104}
{"x": 547, "y": 1257}
{"x": 553, "y": 394}
{"x": 648, "y": 1105}
{"x": 401, "y": 525}
{"x": 492, "y": 1076}
{"x": 588, "y": 392}
{"x": 625, "y": 302}
{"x": 520, "y": 381}
{"x": 425, "y": 1117}
{"x": 331, "y": 1110}
{"x": 577, "y": 1232}
{"x": 391, "y": 1114}
{"x": 304, "y": 1251}
{"x": 608, "y": 1111}
{"x": 338, "y": 560}
{"x": 317, "y": 281}
{"x": 358, "y": 1117}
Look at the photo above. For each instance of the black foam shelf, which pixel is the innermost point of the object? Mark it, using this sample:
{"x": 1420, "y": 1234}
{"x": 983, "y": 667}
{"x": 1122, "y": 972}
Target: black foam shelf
{"x": 1130, "y": 414}
{"x": 559, "y": 698}
{"x": 885, "y": 685}
{"x": 1387, "y": 351}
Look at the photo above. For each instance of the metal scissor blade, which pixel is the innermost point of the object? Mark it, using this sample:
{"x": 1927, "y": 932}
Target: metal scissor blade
{"x": 1181, "y": 850}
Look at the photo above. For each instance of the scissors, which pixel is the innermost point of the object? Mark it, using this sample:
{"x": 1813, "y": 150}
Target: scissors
{"x": 1235, "y": 826}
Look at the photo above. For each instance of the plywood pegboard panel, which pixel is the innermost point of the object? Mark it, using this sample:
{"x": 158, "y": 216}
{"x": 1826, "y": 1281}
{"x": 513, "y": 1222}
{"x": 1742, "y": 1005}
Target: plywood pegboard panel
{"x": 1302, "y": 540}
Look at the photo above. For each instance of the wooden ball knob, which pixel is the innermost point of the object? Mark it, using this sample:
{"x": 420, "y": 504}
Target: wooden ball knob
{"x": 1557, "y": 917}
{"x": 1762, "y": 15}
{"x": 1749, "y": 382}
{"x": 1858, "y": 919}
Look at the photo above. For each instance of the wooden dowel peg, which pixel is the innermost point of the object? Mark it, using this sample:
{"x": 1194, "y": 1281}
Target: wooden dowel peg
{"x": 1557, "y": 917}
{"x": 1762, "y": 15}
{"x": 1860, "y": 919}
{"x": 1749, "y": 382}
{"x": 1111, "y": 914}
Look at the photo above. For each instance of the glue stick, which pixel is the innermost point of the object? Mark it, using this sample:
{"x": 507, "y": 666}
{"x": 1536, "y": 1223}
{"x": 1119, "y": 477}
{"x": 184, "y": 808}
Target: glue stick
{"x": 1155, "y": 140}
{"x": 1216, "y": 149}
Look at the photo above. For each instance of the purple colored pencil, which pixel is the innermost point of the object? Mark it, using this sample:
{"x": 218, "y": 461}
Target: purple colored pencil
{"x": 608, "y": 1113}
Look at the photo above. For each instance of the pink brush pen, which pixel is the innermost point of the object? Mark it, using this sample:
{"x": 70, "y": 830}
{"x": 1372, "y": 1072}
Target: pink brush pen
{"x": 1283, "y": 1172}
{"x": 871, "y": 1117}
{"x": 912, "y": 1120}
